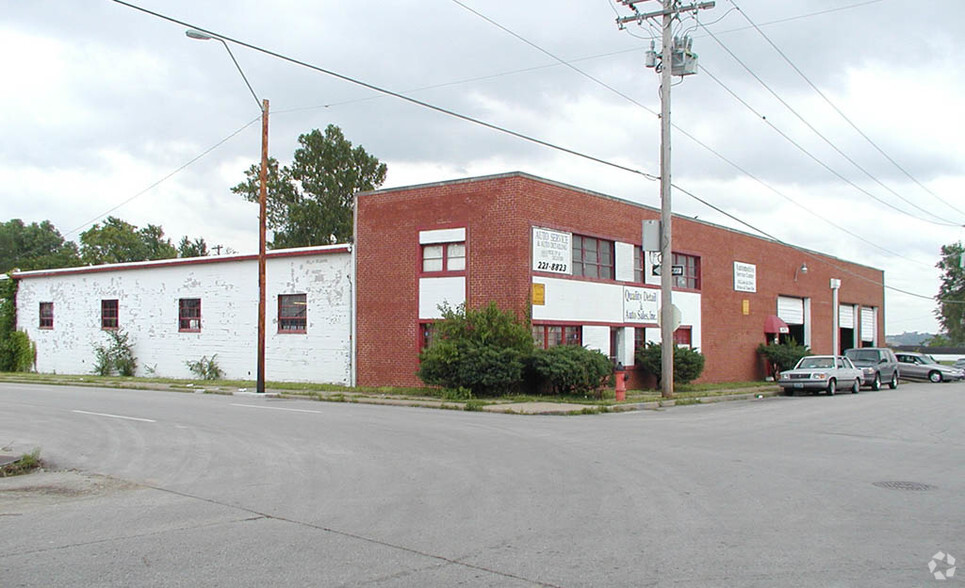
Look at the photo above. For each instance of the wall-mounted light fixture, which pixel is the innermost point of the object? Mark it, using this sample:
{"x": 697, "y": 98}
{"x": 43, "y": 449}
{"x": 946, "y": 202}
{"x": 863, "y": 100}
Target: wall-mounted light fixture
{"x": 801, "y": 270}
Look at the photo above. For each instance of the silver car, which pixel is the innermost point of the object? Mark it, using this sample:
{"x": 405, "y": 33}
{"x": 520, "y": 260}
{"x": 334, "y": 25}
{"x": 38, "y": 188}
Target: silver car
{"x": 822, "y": 372}
{"x": 922, "y": 367}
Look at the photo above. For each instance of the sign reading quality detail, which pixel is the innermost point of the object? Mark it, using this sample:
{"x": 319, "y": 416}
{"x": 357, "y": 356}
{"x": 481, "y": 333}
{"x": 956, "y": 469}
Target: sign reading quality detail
{"x": 640, "y": 305}
{"x": 552, "y": 251}
{"x": 745, "y": 277}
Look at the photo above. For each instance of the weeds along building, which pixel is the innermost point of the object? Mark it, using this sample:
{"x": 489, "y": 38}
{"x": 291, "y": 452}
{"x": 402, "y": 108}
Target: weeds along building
{"x": 568, "y": 260}
{"x": 180, "y": 310}
{"x": 571, "y": 261}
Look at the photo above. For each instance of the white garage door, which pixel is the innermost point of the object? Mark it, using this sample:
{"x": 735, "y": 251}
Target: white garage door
{"x": 790, "y": 310}
{"x": 846, "y": 316}
{"x": 869, "y": 324}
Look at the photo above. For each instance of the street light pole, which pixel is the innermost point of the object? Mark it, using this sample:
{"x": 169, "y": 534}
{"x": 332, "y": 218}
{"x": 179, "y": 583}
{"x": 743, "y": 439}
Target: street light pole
{"x": 262, "y": 198}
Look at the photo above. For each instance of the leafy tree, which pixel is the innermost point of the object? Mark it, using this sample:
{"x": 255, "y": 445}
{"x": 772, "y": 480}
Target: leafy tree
{"x": 17, "y": 352}
{"x": 117, "y": 241}
{"x": 196, "y": 248}
{"x": 34, "y": 246}
{"x": 688, "y": 364}
{"x": 951, "y": 294}
{"x": 310, "y": 202}
{"x": 481, "y": 350}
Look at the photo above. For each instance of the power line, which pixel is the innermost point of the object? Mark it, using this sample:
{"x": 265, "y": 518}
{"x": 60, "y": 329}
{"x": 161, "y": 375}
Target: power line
{"x": 830, "y": 143}
{"x": 470, "y": 119}
{"x": 839, "y": 111}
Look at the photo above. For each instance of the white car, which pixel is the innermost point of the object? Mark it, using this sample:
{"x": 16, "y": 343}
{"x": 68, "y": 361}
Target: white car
{"x": 815, "y": 373}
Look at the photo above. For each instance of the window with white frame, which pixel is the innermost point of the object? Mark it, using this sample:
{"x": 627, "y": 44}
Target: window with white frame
{"x": 444, "y": 257}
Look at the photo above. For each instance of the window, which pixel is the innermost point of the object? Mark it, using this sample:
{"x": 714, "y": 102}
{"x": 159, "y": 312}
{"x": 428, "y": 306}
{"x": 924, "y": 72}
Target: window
{"x": 592, "y": 258}
{"x": 638, "y": 265}
{"x": 46, "y": 315}
{"x": 639, "y": 339}
{"x": 189, "y": 315}
{"x": 109, "y": 314}
{"x": 546, "y": 336}
{"x": 683, "y": 337}
{"x": 292, "y": 313}
{"x": 444, "y": 257}
{"x": 426, "y": 333}
{"x": 691, "y": 276}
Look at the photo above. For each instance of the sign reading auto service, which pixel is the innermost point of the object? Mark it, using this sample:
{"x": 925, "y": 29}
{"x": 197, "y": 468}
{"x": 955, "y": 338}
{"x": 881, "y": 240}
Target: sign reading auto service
{"x": 552, "y": 251}
{"x": 640, "y": 305}
{"x": 745, "y": 277}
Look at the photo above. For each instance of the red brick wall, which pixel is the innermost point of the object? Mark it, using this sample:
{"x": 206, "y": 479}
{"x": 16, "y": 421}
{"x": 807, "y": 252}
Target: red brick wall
{"x": 498, "y": 212}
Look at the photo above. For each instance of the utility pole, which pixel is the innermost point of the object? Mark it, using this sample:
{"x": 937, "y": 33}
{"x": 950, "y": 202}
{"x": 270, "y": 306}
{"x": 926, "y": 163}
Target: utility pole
{"x": 675, "y": 59}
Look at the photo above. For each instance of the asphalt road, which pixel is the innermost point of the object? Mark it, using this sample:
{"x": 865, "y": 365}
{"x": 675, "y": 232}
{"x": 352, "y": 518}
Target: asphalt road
{"x": 169, "y": 489}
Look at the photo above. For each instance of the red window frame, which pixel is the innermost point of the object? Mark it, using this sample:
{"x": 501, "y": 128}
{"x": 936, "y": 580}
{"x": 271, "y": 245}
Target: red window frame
{"x": 447, "y": 259}
{"x": 592, "y": 257}
{"x": 683, "y": 336}
{"x": 189, "y": 315}
{"x": 638, "y": 265}
{"x": 427, "y": 331}
{"x": 546, "y": 336}
{"x": 110, "y": 315}
{"x": 293, "y": 313}
{"x": 46, "y": 315}
{"x": 691, "y": 277}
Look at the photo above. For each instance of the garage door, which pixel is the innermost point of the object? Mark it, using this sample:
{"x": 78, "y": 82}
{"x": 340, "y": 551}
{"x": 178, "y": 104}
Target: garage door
{"x": 846, "y": 316}
{"x": 790, "y": 310}
{"x": 869, "y": 324}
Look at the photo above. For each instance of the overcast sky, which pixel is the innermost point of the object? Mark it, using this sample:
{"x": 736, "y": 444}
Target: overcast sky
{"x": 102, "y": 101}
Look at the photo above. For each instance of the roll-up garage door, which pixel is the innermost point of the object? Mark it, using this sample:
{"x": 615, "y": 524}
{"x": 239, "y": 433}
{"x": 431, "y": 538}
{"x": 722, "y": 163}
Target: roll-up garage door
{"x": 869, "y": 323}
{"x": 846, "y": 316}
{"x": 790, "y": 310}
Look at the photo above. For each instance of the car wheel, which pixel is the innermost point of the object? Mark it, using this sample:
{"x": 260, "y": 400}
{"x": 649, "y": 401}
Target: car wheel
{"x": 857, "y": 386}
{"x": 935, "y": 377}
{"x": 876, "y": 385}
{"x": 831, "y": 387}
{"x": 894, "y": 380}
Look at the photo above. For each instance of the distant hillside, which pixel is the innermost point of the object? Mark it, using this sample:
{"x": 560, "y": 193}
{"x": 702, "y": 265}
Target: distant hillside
{"x": 913, "y": 338}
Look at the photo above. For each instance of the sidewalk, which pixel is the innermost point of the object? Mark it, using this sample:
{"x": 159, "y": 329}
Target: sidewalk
{"x": 540, "y": 407}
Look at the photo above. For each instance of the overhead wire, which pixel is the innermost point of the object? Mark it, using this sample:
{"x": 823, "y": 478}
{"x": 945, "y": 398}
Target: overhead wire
{"x": 838, "y": 110}
{"x": 428, "y": 105}
{"x": 830, "y": 143}
{"x": 684, "y": 132}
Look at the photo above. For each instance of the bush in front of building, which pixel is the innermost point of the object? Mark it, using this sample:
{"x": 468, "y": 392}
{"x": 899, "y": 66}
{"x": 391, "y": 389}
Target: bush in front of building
{"x": 482, "y": 350}
{"x": 783, "y": 356}
{"x": 688, "y": 364}
{"x": 17, "y": 352}
{"x": 571, "y": 369}
{"x": 116, "y": 358}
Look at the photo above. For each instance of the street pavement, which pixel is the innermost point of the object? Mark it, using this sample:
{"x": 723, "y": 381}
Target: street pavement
{"x": 149, "y": 488}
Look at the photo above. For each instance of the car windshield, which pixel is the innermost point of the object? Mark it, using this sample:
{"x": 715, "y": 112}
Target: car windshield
{"x": 808, "y": 363}
{"x": 862, "y": 355}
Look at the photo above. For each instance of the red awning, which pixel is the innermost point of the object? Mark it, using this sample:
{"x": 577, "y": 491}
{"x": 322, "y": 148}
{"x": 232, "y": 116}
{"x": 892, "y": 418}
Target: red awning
{"x": 774, "y": 325}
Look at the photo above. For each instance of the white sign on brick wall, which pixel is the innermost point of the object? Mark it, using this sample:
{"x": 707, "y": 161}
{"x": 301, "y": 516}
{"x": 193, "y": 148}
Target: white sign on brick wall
{"x": 552, "y": 251}
{"x": 745, "y": 277}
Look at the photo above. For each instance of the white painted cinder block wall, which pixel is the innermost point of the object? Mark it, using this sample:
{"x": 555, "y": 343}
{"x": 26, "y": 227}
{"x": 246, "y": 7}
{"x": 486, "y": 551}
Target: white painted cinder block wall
{"x": 148, "y": 295}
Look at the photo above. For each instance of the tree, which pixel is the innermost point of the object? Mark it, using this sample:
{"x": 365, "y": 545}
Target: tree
{"x": 117, "y": 241}
{"x": 34, "y": 246}
{"x": 951, "y": 294}
{"x": 310, "y": 202}
{"x": 196, "y": 248}
{"x": 481, "y": 350}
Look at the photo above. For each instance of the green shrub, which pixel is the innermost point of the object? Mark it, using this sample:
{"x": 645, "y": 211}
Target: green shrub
{"x": 571, "y": 369}
{"x": 17, "y": 353}
{"x": 688, "y": 364}
{"x": 116, "y": 358}
{"x": 783, "y": 356}
{"x": 206, "y": 369}
{"x": 482, "y": 351}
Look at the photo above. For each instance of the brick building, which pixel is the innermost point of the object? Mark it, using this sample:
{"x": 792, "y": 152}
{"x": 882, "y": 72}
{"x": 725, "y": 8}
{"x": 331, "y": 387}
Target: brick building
{"x": 571, "y": 260}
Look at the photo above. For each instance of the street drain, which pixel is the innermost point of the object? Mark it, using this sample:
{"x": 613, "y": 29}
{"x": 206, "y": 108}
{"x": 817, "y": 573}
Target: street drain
{"x": 898, "y": 485}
